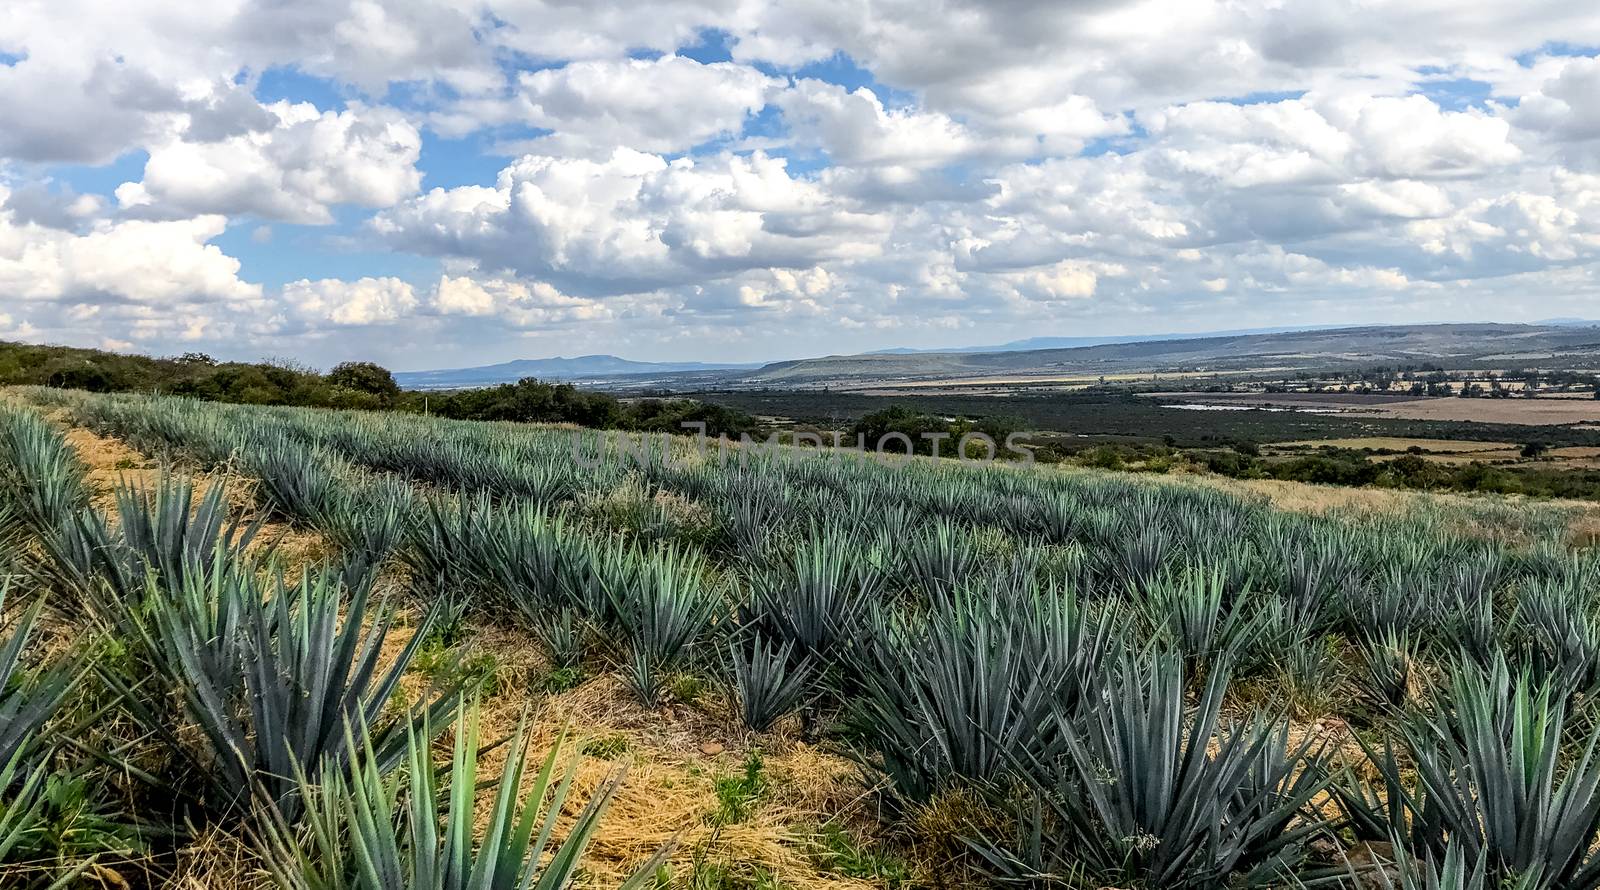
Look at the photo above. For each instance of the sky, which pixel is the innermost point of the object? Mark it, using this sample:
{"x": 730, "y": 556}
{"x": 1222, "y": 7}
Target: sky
{"x": 442, "y": 183}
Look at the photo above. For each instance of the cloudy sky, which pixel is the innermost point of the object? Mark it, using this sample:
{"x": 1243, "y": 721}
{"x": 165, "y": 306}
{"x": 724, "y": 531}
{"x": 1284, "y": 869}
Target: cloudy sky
{"x": 447, "y": 182}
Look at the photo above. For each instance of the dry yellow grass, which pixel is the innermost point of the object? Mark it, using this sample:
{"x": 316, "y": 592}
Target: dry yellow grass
{"x": 672, "y": 757}
{"x": 1396, "y": 443}
{"x": 1533, "y": 412}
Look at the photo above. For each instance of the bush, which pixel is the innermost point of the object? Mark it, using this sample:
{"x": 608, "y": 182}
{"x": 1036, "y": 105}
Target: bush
{"x": 929, "y": 434}
{"x": 365, "y": 377}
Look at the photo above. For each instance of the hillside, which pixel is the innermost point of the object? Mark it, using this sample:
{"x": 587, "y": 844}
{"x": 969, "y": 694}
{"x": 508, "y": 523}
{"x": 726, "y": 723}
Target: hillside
{"x": 821, "y": 673}
{"x": 1454, "y": 344}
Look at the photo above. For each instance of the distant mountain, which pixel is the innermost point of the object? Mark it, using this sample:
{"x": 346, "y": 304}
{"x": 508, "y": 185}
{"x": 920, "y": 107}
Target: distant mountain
{"x": 580, "y": 368}
{"x": 1455, "y": 345}
{"x": 1033, "y": 343}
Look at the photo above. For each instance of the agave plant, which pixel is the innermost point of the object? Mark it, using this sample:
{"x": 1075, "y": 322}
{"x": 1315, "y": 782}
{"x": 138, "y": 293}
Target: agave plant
{"x": 41, "y": 478}
{"x": 1559, "y": 622}
{"x": 270, "y": 677}
{"x": 818, "y": 598}
{"x": 25, "y": 704}
{"x": 301, "y": 481}
{"x": 1411, "y": 872}
{"x": 561, "y": 631}
{"x": 1467, "y": 598}
{"x": 1190, "y": 611}
{"x": 526, "y": 555}
{"x": 162, "y": 529}
{"x": 369, "y": 521}
{"x": 1060, "y": 518}
{"x": 662, "y": 609}
{"x": 1394, "y": 603}
{"x": 961, "y": 694}
{"x": 1311, "y": 576}
{"x": 938, "y": 558}
{"x": 748, "y": 520}
{"x": 444, "y": 537}
{"x": 368, "y": 829}
{"x": 1390, "y": 678}
{"x": 1311, "y": 674}
{"x": 1490, "y": 777}
{"x": 769, "y": 682}
{"x": 1139, "y": 789}
{"x": 21, "y": 806}
{"x": 1142, "y": 556}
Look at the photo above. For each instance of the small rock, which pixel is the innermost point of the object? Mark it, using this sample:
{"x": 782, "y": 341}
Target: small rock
{"x": 710, "y": 748}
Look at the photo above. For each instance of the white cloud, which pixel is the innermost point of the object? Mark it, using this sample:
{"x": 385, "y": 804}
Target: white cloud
{"x": 1060, "y": 281}
{"x": 634, "y": 222}
{"x": 1564, "y": 110}
{"x": 855, "y": 129}
{"x": 664, "y": 105}
{"x": 1410, "y": 136}
{"x": 361, "y": 302}
{"x": 1329, "y": 138}
{"x": 520, "y": 304}
{"x": 1515, "y": 232}
{"x": 296, "y": 171}
{"x": 1399, "y": 199}
{"x": 165, "y": 264}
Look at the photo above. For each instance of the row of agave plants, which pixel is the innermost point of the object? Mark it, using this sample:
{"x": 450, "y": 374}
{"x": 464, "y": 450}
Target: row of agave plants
{"x": 162, "y": 678}
{"x": 1112, "y": 666}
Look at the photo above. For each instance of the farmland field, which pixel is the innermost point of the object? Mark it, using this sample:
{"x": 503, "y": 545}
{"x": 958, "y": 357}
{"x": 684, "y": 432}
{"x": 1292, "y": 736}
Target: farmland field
{"x": 1523, "y": 412}
{"x": 287, "y": 647}
{"x": 1128, "y": 415}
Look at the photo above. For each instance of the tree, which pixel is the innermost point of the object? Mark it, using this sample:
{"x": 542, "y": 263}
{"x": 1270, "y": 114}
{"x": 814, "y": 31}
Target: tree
{"x": 1534, "y": 449}
{"x": 365, "y": 377}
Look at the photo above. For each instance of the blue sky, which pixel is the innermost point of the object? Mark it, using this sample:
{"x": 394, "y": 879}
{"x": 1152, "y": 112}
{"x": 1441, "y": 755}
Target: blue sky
{"x": 434, "y": 183}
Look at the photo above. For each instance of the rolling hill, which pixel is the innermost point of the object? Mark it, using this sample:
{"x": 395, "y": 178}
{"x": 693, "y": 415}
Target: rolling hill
{"x": 1457, "y": 345}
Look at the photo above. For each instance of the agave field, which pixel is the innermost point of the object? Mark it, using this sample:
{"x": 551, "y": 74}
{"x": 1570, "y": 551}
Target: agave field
{"x": 1092, "y": 681}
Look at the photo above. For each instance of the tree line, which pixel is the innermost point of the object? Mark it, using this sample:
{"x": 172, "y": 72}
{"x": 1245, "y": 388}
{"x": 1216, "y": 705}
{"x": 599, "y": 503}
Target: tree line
{"x": 356, "y": 384}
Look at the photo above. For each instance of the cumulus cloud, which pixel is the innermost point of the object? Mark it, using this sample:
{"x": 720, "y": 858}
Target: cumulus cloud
{"x": 1564, "y": 110}
{"x": 854, "y": 128}
{"x": 296, "y": 170}
{"x": 518, "y": 303}
{"x": 634, "y": 222}
{"x": 591, "y": 107}
{"x": 1516, "y": 232}
{"x": 361, "y": 302}
{"x": 1333, "y": 138}
{"x": 164, "y": 263}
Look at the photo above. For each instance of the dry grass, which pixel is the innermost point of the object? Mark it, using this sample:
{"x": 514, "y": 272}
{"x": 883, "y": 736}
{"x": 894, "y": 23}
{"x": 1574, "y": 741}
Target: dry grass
{"x": 216, "y": 860}
{"x": 1399, "y": 443}
{"x": 1532, "y": 412}
{"x": 1524, "y": 411}
{"x": 673, "y": 756}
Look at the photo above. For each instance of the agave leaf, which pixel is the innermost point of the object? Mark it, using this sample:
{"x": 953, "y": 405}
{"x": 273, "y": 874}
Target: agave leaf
{"x": 371, "y": 831}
